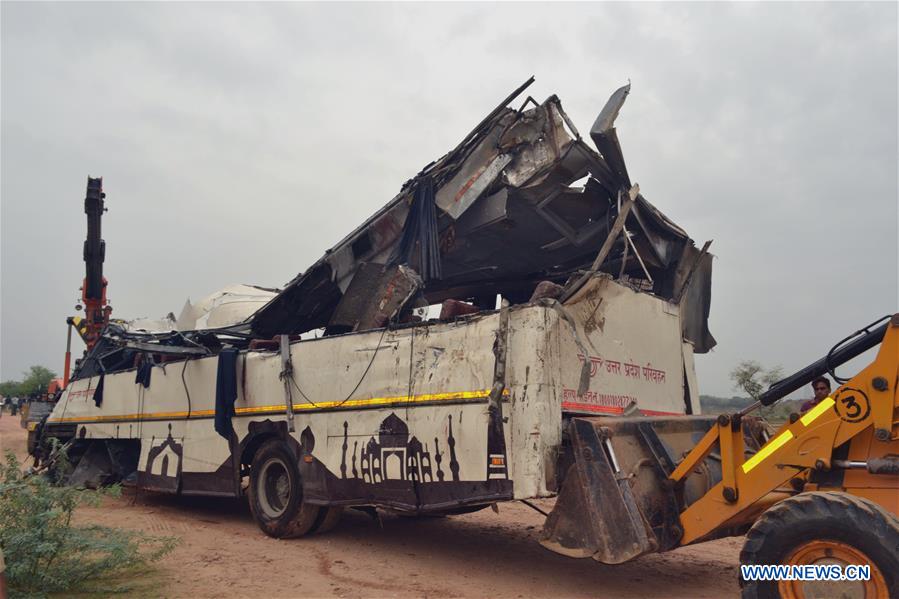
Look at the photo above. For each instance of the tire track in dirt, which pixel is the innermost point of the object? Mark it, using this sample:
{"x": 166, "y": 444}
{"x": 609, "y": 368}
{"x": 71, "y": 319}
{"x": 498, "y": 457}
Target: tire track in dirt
{"x": 325, "y": 569}
{"x": 161, "y": 523}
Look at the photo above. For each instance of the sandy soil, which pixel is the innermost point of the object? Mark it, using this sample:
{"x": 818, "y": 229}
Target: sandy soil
{"x": 223, "y": 553}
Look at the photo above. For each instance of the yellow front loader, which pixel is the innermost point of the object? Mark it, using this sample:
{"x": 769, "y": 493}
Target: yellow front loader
{"x": 822, "y": 490}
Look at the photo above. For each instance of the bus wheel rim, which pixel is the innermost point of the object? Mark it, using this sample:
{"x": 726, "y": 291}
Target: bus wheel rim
{"x": 274, "y": 487}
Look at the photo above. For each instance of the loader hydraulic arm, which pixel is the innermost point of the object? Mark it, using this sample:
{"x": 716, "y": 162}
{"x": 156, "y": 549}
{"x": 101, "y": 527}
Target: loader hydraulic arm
{"x": 867, "y": 401}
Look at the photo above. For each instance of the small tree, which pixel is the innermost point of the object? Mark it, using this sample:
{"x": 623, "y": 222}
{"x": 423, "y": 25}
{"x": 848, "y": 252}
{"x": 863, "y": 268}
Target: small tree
{"x": 36, "y": 380}
{"x": 753, "y": 379}
{"x": 750, "y": 377}
{"x": 10, "y": 388}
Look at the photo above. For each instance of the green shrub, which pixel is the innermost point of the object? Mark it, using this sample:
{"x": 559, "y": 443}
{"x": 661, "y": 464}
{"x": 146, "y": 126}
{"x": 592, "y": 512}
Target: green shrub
{"x": 46, "y": 553}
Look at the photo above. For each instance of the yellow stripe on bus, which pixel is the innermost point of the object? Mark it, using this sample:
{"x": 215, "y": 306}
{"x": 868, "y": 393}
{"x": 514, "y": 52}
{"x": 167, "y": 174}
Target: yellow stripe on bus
{"x": 303, "y": 407}
{"x": 769, "y": 448}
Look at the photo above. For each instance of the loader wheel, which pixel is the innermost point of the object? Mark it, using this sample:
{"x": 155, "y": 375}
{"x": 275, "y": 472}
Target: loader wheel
{"x": 276, "y": 493}
{"x": 824, "y": 528}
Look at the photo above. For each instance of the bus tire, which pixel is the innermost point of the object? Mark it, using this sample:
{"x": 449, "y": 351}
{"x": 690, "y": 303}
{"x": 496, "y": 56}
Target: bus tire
{"x": 329, "y": 518}
{"x": 276, "y": 493}
{"x": 825, "y": 528}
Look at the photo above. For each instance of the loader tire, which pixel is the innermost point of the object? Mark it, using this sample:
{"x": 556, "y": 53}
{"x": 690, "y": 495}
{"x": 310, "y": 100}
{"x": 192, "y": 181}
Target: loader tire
{"x": 276, "y": 493}
{"x": 824, "y": 528}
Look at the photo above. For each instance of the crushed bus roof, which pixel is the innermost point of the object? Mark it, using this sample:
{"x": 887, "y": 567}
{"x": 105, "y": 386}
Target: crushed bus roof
{"x": 522, "y": 199}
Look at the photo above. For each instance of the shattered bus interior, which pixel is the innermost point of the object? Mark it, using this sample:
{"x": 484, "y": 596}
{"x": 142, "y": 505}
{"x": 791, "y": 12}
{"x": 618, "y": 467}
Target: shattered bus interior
{"x": 523, "y": 207}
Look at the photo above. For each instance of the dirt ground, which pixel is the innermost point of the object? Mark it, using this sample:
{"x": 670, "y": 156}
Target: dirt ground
{"x": 223, "y": 554}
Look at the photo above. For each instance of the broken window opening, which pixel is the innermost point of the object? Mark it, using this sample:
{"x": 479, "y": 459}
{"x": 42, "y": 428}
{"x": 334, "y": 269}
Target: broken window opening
{"x": 362, "y": 246}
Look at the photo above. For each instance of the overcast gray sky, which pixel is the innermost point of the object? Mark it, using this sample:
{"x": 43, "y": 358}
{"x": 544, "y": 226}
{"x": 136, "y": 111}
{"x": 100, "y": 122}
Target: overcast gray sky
{"x": 238, "y": 141}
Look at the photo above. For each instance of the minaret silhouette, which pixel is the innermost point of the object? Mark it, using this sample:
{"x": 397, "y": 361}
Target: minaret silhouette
{"x": 438, "y": 457}
{"x": 343, "y": 459}
{"x": 451, "y": 441}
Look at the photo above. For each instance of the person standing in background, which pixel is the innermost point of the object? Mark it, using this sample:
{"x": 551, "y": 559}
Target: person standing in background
{"x": 821, "y": 387}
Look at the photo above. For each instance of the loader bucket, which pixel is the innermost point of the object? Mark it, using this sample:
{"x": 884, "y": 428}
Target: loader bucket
{"x": 595, "y": 514}
{"x": 616, "y": 501}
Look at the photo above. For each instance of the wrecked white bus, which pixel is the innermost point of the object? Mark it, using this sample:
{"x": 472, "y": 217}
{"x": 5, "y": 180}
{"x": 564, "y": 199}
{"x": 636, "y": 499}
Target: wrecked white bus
{"x": 603, "y": 303}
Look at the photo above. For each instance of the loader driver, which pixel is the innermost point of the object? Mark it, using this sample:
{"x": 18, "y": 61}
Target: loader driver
{"x": 821, "y": 387}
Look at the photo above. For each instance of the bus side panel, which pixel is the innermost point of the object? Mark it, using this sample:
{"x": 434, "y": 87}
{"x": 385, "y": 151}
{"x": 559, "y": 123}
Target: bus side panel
{"x": 535, "y": 413}
{"x": 415, "y": 433}
{"x": 632, "y": 347}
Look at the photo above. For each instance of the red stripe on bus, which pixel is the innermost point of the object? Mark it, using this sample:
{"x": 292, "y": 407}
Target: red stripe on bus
{"x": 587, "y": 407}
